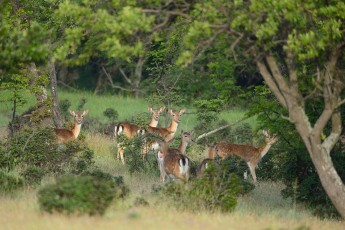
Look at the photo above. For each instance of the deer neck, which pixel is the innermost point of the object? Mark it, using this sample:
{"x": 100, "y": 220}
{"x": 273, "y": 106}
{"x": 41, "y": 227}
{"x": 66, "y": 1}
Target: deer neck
{"x": 183, "y": 146}
{"x": 76, "y": 130}
{"x": 212, "y": 152}
{"x": 153, "y": 122}
{"x": 173, "y": 127}
{"x": 263, "y": 149}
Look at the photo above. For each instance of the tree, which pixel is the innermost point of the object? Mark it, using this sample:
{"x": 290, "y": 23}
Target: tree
{"x": 298, "y": 48}
{"x": 22, "y": 47}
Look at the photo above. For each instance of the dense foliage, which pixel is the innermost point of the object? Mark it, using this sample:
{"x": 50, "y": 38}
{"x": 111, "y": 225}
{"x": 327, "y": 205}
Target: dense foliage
{"x": 215, "y": 189}
{"x": 87, "y": 194}
{"x": 34, "y": 153}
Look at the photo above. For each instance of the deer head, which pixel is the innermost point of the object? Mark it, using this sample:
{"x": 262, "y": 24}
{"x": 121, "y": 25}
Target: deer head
{"x": 156, "y": 113}
{"x": 269, "y": 140}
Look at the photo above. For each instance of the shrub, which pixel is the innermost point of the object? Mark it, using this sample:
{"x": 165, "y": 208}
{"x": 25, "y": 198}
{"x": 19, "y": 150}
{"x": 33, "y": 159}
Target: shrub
{"x": 10, "y": 183}
{"x": 216, "y": 189}
{"x": 88, "y": 194}
{"x": 133, "y": 156}
{"x": 35, "y": 150}
{"x": 33, "y": 175}
{"x": 111, "y": 114}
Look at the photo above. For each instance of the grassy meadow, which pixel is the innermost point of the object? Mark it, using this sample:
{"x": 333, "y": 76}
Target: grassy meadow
{"x": 263, "y": 208}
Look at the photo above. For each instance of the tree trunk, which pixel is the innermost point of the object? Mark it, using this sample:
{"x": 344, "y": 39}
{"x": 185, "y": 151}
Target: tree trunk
{"x": 137, "y": 76}
{"x": 56, "y": 109}
{"x": 287, "y": 92}
{"x": 320, "y": 156}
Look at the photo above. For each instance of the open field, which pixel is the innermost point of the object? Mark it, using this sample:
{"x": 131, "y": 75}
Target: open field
{"x": 96, "y": 104}
{"x": 263, "y": 208}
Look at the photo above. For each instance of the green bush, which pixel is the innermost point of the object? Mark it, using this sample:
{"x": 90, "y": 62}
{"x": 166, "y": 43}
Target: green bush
{"x": 88, "y": 194}
{"x": 33, "y": 175}
{"x": 10, "y": 183}
{"x": 133, "y": 156}
{"x": 35, "y": 150}
{"x": 111, "y": 114}
{"x": 216, "y": 189}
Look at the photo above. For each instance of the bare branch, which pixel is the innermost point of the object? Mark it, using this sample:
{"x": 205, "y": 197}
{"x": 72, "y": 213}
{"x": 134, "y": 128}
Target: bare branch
{"x": 234, "y": 44}
{"x": 279, "y": 79}
{"x": 125, "y": 76}
{"x": 340, "y": 103}
{"x": 220, "y": 128}
{"x": 112, "y": 83}
{"x": 205, "y": 44}
{"x": 270, "y": 82}
{"x": 176, "y": 13}
{"x": 331, "y": 90}
{"x": 66, "y": 85}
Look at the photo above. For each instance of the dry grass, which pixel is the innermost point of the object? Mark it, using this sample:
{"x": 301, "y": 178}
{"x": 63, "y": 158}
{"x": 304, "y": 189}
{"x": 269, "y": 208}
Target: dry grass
{"x": 261, "y": 209}
{"x": 23, "y": 213}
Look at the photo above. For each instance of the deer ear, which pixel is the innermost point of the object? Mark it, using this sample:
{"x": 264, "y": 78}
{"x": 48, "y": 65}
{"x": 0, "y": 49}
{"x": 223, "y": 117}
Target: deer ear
{"x": 85, "y": 112}
{"x": 265, "y": 132}
{"x": 182, "y": 111}
{"x": 170, "y": 111}
{"x": 72, "y": 112}
{"x": 149, "y": 109}
{"x": 162, "y": 109}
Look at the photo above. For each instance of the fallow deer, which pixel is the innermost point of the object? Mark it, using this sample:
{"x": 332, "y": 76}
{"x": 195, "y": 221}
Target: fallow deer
{"x": 130, "y": 130}
{"x": 173, "y": 162}
{"x": 167, "y": 133}
{"x": 65, "y": 135}
{"x": 252, "y": 155}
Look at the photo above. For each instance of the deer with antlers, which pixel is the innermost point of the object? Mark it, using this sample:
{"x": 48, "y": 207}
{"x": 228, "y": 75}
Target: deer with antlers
{"x": 252, "y": 155}
{"x": 167, "y": 133}
{"x": 173, "y": 162}
{"x": 66, "y": 135}
{"x": 130, "y": 130}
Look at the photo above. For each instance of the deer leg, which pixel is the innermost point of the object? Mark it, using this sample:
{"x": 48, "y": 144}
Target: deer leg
{"x": 121, "y": 156}
{"x": 245, "y": 175}
{"x": 252, "y": 171}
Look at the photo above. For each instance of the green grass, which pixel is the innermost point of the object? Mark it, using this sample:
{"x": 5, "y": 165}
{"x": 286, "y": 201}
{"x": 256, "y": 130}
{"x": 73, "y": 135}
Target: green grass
{"x": 125, "y": 106}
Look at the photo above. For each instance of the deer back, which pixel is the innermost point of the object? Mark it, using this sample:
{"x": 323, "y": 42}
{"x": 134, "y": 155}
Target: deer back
{"x": 127, "y": 129}
{"x": 246, "y": 152}
{"x": 63, "y": 135}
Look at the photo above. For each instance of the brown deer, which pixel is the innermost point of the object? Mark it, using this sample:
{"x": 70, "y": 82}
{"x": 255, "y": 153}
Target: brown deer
{"x": 130, "y": 130}
{"x": 167, "y": 133}
{"x": 250, "y": 154}
{"x": 173, "y": 162}
{"x": 65, "y": 135}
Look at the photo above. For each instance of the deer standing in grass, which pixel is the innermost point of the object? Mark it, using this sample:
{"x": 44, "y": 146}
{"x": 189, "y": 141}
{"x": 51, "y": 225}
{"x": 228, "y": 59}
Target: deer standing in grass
{"x": 173, "y": 162}
{"x": 65, "y": 135}
{"x": 252, "y": 155}
{"x": 130, "y": 130}
{"x": 167, "y": 133}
